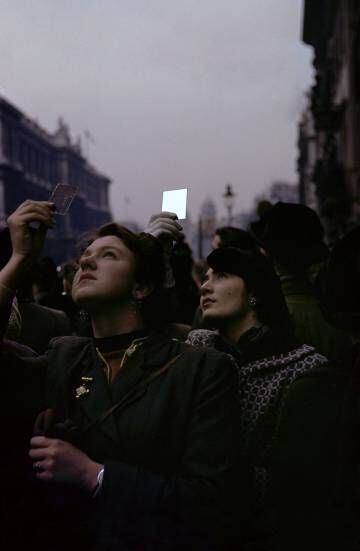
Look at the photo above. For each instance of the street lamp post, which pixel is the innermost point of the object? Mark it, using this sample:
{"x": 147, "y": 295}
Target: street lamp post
{"x": 229, "y": 200}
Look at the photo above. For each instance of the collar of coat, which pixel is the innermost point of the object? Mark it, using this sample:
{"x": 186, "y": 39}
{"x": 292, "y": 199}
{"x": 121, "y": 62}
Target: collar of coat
{"x": 153, "y": 352}
{"x": 299, "y": 354}
{"x": 73, "y": 362}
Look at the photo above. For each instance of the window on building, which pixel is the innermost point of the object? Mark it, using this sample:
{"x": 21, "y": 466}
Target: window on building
{"x": 22, "y": 152}
{"x": 7, "y": 141}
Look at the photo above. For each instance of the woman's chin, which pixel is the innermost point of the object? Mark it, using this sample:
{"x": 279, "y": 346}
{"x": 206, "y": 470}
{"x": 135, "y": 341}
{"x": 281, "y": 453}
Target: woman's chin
{"x": 210, "y": 318}
{"x": 85, "y": 301}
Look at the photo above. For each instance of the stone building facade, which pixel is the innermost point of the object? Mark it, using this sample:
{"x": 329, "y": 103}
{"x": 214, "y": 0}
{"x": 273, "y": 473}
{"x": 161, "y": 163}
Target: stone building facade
{"x": 33, "y": 161}
{"x": 329, "y": 130}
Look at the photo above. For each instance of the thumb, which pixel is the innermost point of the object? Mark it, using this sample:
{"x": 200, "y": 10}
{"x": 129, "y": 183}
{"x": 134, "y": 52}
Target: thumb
{"x": 43, "y": 422}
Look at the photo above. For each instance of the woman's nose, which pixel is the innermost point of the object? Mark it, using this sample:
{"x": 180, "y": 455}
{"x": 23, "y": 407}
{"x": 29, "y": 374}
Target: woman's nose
{"x": 87, "y": 262}
{"x": 205, "y": 288}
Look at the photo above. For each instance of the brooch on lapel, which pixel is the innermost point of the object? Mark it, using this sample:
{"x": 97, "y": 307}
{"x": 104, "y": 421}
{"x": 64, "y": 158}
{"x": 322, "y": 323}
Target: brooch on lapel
{"x": 83, "y": 388}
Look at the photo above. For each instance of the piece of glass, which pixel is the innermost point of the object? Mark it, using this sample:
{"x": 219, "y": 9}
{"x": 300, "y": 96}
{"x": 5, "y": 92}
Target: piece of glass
{"x": 175, "y": 201}
{"x": 62, "y": 195}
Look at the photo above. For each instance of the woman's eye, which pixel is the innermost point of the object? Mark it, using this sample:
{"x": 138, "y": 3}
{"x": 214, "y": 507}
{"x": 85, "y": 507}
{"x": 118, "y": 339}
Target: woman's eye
{"x": 221, "y": 275}
{"x": 109, "y": 254}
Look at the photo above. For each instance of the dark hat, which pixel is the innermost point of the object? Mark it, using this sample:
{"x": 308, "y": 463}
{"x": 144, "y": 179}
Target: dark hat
{"x": 246, "y": 264}
{"x": 236, "y": 237}
{"x": 294, "y": 226}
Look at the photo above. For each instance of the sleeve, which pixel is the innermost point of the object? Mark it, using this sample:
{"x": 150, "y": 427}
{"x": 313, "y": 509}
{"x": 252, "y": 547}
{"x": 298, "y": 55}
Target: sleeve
{"x": 23, "y": 379}
{"x": 5, "y": 311}
{"x": 208, "y": 478}
{"x": 306, "y": 463}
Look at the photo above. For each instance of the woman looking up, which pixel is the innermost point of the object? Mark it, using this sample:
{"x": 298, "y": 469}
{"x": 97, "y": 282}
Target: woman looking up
{"x": 138, "y": 438}
{"x": 241, "y": 298}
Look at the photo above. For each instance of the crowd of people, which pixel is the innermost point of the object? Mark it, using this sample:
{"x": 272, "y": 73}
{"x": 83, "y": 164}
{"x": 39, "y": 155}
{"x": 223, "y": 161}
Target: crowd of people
{"x": 151, "y": 402}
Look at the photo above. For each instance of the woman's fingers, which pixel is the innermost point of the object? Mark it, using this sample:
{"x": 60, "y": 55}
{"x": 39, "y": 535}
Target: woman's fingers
{"x": 31, "y": 210}
{"x": 165, "y": 225}
{"x": 166, "y": 222}
{"x": 45, "y": 219}
{"x": 37, "y": 453}
{"x": 30, "y": 202}
{"x": 26, "y": 218}
{"x": 43, "y": 422}
{"x": 164, "y": 214}
{"x": 41, "y": 442}
{"x": 27, "y": 207}
{"x": 45, "y": 475}
{"x": 166, "y": 228}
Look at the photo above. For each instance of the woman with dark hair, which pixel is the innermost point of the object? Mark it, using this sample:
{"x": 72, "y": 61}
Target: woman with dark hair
{"x": 242, "y": 299}
{"x": 137, "y": 447}
{"x": 148, "y": 267}
{"x": 227, "y": 236}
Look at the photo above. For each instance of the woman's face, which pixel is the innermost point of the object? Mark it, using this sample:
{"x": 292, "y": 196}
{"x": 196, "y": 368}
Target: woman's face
{"x": 224, "y": 297}
{"x": 105, "y": 275}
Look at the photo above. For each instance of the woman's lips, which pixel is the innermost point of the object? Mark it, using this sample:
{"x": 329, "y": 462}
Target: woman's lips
{"x": 86, "y": 276}
{"x": 207, "y": 302}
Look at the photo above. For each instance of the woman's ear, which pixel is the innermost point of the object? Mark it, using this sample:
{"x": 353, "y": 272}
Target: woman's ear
{"x": 252, "y": 301}
{"x": 142, "y": 291}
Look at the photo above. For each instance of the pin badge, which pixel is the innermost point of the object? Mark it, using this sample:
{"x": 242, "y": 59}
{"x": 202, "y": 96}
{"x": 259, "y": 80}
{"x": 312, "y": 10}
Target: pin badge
{"x": 83, "y": 388}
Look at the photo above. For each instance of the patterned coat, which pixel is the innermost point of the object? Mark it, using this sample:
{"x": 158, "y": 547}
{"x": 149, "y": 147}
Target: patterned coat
{"x": 262, "y": 384}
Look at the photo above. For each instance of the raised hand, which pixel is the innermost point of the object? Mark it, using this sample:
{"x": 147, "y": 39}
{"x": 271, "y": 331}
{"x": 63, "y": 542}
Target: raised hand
{"x": 27, "y": 241}
{"x": 165, "y": 226}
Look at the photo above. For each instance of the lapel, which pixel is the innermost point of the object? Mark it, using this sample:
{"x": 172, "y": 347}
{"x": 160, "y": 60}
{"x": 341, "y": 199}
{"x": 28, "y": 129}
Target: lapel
{"x": 144, "y": 358}
{"x": 141, "y": 360}
{"x": 97, "y": 397}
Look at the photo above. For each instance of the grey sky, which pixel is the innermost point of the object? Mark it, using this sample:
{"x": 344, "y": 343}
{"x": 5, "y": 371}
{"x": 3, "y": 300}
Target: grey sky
{"x": 177, "y": 93}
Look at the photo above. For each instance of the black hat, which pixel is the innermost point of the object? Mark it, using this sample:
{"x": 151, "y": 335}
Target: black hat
{"x": 290, "y": 226}
{"x": 246, "y": 264}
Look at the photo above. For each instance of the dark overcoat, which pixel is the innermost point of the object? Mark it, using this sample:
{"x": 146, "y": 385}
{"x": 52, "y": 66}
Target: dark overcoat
{"x": 170, "y": 451}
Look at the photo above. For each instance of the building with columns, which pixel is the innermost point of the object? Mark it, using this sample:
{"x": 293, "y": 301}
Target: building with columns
{"x": 33, "y": 161}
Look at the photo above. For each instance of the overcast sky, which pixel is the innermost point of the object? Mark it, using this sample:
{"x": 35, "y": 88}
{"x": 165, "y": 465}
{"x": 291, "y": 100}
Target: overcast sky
{"x": 177, "y": 93}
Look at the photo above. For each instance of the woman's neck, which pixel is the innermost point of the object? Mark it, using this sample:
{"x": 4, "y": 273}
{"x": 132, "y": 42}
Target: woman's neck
{"x": 115, "y": 322}
{"x": 234, "y": 329}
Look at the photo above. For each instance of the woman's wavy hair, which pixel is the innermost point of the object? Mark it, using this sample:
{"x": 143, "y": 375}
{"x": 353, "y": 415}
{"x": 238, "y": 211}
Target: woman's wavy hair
{"x": 149, "y": 266}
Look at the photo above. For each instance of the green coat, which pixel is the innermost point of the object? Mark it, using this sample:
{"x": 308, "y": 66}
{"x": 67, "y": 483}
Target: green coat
{"x": 310, "y": 325}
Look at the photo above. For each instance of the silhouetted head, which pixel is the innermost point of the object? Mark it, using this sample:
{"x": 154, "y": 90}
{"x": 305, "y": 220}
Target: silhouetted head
{"x": 294, "y": 236}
